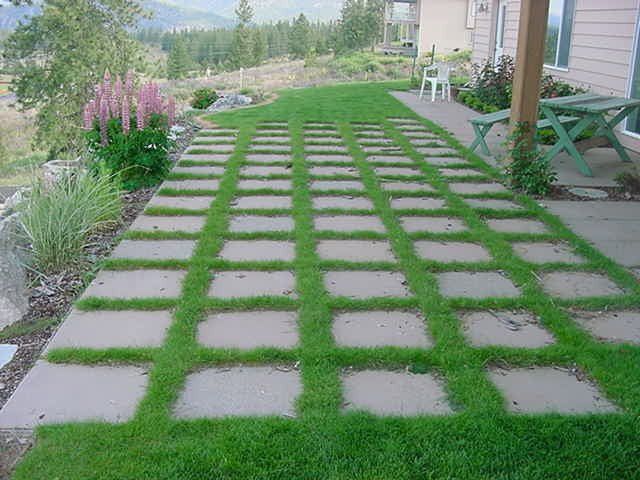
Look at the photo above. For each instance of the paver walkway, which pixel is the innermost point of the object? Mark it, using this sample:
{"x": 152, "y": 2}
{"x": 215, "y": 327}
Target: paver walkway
{"x": 372, "y": 242}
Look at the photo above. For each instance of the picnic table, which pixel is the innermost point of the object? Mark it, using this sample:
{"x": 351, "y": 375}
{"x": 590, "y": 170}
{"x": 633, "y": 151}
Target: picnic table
{"x": 592, "y": 110}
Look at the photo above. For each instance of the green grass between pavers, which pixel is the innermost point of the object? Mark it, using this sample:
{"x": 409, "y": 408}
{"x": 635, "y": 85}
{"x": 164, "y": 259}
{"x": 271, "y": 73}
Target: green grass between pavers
{"x": 480, "y": 441}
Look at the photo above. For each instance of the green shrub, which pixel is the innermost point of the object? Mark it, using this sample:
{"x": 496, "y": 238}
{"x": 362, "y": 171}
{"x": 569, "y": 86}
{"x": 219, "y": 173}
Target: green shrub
{"x": 492, "y": 82}
{"x": 528, "y": 171}
{"x": 58, "y": 221}
{"x": 139, "y": 158}
{"x": 203, "y": 98}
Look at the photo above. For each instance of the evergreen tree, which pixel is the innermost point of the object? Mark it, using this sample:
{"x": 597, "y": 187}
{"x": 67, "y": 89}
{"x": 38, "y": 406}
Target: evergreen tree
{"x": 178, "y": 62}
{"x": 259, "y": 46}
{"x": 58, "y": 55}
{"x": 360, "y": 24}
{"x": 242, "y": 46}
{"x": 300, "y": 37}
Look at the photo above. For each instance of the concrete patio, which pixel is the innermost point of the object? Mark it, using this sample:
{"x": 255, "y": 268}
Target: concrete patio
{"x": 611, "y": 226}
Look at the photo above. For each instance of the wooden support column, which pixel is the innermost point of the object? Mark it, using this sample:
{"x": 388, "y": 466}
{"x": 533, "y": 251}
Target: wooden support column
{"x": 532, "y": 34}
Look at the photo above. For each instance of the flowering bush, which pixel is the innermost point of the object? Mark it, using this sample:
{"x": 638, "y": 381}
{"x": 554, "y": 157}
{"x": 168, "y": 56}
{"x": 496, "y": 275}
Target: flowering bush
{"x": 128, "y": 131}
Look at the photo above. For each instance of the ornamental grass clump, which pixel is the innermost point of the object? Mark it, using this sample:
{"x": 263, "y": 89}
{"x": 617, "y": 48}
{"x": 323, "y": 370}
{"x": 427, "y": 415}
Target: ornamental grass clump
{"x": 128, "y": 131}
{"x": 59, "y": 220}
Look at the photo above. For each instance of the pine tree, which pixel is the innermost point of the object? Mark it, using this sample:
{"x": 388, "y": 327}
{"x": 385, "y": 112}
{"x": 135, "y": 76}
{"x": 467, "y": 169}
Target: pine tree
{"x": 360, "y": 24}
{"x": 242, "y": 46}
{"x": 259, "y": 47}
{"x": 177, "y": 64}
{"x": 300, "y": 37}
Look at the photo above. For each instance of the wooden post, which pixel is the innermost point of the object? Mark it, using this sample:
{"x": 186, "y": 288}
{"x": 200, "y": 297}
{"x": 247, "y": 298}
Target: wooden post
{"x": 532, "y": 34}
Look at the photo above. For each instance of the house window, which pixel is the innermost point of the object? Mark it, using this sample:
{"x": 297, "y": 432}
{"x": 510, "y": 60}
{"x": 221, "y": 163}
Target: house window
{"x": 559, "y": 33}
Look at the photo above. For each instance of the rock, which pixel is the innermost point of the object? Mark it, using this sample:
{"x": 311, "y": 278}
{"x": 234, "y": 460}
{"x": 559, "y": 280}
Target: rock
{"x": 55, "y": 170}
{"x": 230, "y": 101}
{"x": 14, "y": 298}
{"x": 6, "y": 354}
{"x": 592, "y": 193}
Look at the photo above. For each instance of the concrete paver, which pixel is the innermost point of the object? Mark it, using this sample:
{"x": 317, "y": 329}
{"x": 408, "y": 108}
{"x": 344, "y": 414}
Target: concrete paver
{"x": 53, "y": 394}
{"x": 380, "y": 329}
{"x": 238, "y": 284}
{"x": 130, "y": 284}
{"x": 548, "y": 390}
{"x": 504, "y": 328}
{"x": 389, "y": 393}
{"x": 239, "y": 391}
{"x": 366, "y": 284}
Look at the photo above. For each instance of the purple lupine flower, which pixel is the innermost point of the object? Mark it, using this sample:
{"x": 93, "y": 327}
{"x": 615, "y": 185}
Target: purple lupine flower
{"x": 141, "y": 110}
{"x": 128, "y": 86}
{"x": 104, "y": 119}
{"x": 107, "y": 90}
{"x": 88, "y": 117}
{"x": 116, "y": 99}
{"x": 126, "y": 116}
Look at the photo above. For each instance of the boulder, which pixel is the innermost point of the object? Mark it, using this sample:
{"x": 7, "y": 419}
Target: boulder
{"x": 14, "y": 296}
{"x": 230, "y": 101}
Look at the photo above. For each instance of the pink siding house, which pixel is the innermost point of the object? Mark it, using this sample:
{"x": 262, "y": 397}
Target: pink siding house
{"x": 590, "y": 43}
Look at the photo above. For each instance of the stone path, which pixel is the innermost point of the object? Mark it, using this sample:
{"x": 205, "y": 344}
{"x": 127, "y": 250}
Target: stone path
{"x": 360, "y": 190}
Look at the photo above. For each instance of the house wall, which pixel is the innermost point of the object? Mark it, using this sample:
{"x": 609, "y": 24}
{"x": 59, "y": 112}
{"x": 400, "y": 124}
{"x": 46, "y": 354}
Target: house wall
{"x": 444, "y": 23}
{"x": 602, "y": 45}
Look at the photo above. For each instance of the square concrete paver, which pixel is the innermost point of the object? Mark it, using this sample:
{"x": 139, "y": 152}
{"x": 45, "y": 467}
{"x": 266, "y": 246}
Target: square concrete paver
{"x": 382, "y": 150}
{"x": 265, "y": 185}
{"x": 548, "y": 390}
{"x": 492, "y": 204}
{"x": 433, "y": 224}
{"x": 200, "y": 170}
{"x": 319, "y": 158}
{"x": 476, "y": 285}
{"x": 155, "y": 249}
{"x": 336, "y": 185}
{"x": 258, "y": 223}
{"x": 611, "y": 326}
{"x": 417, "y": 203}
{"x": 239, "y": 391}
{"x": 206, "y": 185}
{"x": 268, "y": 157}
{"x": 329, "y": 171}
{"x": 445, "y": 161}
{"x": 53, "y": 394}
{"x": 517, "y": 225}
{"x": 436, "y": 151}
{"x": 406, "y": 186}
{"x": 212, "y": 148}
{"x": 112, "y": 329}
{"x": 396, "y": 159}
{"x": 366, "y": 284}
{"x": 396, "y": 171}
{"x": 257, "y": 250}
{"x": 211, "y": 157}
{"x": 238, "y": 284}
{"x": 264, "y": 171}
{"x": 349, "y": 223}
{"x": 130, "y": 284}
{"x": 186, "y": 224}
{"x": 356, "y": 250}
{"x": 181, "y": 203}
{"x": 247, "y": 330}
{"x": 326, "y": 148}
{"x": 568, "y": 285}
{"x": 343, "y": 203}
{"x": 460, "y": 172}
{"x": 400, "y": 394}
{"x": 477, "y": 188}
{"x": 505, "y": 328}
{"x": 447, "y": 252}
{"x": 380, "y": 329}
{"x": 262, "y": 202}
{"x": 544, "y": 252}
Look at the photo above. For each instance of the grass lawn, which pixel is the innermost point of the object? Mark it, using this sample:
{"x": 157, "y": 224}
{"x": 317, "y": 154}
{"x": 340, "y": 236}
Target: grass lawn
{"x": 481, "y": 440}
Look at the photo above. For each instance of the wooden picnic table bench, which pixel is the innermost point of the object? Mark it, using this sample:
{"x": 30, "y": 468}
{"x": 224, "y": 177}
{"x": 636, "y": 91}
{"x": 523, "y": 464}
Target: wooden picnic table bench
{"x": 484, "y": 123}
{"x": 591, "y": 110}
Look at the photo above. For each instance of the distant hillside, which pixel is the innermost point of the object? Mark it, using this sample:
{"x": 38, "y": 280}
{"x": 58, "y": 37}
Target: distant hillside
{"x": 267, "y": 10}
{"x": 167, "y": 16}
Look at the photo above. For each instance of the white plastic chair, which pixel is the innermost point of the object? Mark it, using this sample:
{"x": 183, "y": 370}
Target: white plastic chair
{"x": 437, "y": 74}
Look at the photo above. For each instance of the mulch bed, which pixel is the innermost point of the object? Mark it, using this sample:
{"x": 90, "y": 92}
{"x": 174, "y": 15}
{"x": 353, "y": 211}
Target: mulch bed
{"x": 52, "y": 298}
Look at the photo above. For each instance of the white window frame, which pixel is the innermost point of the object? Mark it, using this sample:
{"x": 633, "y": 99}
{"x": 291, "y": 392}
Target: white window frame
{"x": 632, "y": 68}
{"x": 555, "y": 65}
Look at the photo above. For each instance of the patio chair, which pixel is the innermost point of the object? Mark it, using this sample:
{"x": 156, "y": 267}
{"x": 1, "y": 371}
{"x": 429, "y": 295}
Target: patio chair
{"x": 437, "y": 74}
